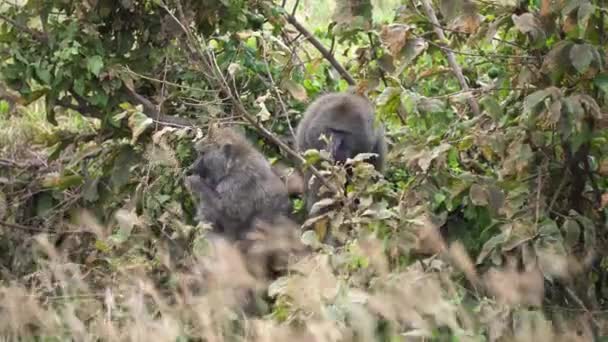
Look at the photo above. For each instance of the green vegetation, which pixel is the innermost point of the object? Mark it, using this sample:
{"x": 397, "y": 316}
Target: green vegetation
{"x": 489, "y": 224}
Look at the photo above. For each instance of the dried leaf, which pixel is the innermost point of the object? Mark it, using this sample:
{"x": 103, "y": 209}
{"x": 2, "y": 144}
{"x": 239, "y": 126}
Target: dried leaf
{"x": 478, "y": 195}
{"x": 556, "y": 61}
{"x": 233, "y": 68}
{"x": 263, "y": 114}
{"x": 528, "y": 23}
{"x": 521, "y": 232}
{"x": 297, "y": 91}
{"x": 394, "y": 37}
{"x": 467, "y": 23}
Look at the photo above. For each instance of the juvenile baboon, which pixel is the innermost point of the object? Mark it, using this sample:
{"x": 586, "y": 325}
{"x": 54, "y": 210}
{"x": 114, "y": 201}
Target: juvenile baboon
{"x": 347, "y": 120}
{"x": 235, "y": 184}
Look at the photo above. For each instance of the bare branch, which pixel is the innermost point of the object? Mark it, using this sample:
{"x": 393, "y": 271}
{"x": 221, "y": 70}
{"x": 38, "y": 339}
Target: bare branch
{"x": 322, "y": 49}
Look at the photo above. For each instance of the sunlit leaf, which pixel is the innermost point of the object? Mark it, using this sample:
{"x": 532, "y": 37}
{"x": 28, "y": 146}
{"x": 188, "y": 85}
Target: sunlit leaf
{"x": 138, "y": 123}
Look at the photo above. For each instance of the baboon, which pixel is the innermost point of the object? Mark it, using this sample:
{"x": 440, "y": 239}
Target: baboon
{"x": 347, "y": 120}
{"x": 234, "y": 184}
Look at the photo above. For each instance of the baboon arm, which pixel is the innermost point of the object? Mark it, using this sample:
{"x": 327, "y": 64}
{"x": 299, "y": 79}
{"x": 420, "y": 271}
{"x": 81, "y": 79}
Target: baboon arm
{"x": 207, "y": 194}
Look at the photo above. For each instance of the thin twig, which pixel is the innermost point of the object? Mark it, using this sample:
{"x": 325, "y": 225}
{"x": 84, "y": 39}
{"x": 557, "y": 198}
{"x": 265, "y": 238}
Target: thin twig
{"x": 276, "y": 90}
{"x": 295, "y": 8}
{"x": 489, "y": 56}
{"x": 450, "y": 55}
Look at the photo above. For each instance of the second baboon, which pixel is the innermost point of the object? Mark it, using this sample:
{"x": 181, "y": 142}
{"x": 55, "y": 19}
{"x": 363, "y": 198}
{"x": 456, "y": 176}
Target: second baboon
{"x": 347, "y": 120}
{"x": 234, "y": 184}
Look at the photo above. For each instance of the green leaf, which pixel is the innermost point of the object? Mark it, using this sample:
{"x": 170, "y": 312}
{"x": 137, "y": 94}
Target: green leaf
{"x": 61, "y": 182}
{"x": 95, "y": 64}
{"x": 44, "y": 204}
{"x": 4, "y": 107}
{"x": 409, "y": 101}
{"x": 43, "y": 73}
{"x": 581, "y": 56}
{"x": 601, "y": 81}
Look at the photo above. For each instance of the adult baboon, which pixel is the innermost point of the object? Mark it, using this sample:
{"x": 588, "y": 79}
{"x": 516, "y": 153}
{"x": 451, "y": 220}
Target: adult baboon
{"x": 235, "y": 184}
{"x": 347, "y": 120}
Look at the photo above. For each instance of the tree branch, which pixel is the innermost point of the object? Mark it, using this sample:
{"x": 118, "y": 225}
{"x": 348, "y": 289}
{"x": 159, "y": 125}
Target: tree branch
{"x": 322, "y": 49}
{"x": 151, "y": 110}
{"x": 39, "y": 36}
{"x": 449, "y": 54}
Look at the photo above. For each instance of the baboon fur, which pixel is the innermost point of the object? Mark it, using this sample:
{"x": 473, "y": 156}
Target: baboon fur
{"x": 234, "y": 184}
{"x": 347, "y": 120}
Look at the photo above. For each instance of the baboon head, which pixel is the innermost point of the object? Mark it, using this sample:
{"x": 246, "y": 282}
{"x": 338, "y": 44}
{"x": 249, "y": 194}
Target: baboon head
{"x": 217, "y": 155}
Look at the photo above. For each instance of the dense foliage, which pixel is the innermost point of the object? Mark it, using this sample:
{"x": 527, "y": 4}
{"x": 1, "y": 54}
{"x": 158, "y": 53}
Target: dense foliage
{"x": 489, "y": 223}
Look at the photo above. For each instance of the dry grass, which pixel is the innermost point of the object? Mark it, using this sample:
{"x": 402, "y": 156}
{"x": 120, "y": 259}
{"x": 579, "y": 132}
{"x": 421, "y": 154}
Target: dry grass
{"x": 211, "y": 299}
